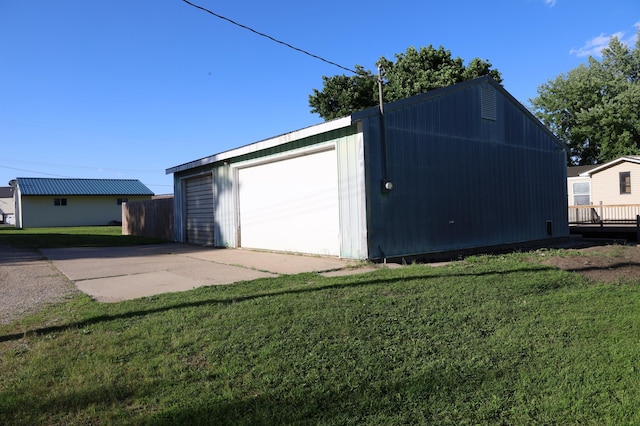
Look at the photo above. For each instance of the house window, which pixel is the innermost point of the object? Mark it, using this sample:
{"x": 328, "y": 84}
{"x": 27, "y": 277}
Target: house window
{"x": 581, "y": 193}
{"x": 59, "y": 201}
{"x": 122, "y": 200}
{"x": 625, "y": 182}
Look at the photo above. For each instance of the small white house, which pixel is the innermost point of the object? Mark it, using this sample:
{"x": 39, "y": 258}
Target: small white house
{"x": 614, "y": 183}
{"x": 6, "y": 205}
{"x": 45, "y": 202}
{"x": 605, "y": 193}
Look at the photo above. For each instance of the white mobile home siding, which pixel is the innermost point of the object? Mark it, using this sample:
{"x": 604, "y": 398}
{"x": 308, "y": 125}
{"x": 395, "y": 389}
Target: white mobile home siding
{"x": 7, "y": 209}
{"x": 605, "y": 185}
{"x": 6, "y": 206}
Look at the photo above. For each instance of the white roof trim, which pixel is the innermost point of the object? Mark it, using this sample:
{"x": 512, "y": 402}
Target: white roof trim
{"x": 266, "y": 144}
{"x": 631, "y": 159}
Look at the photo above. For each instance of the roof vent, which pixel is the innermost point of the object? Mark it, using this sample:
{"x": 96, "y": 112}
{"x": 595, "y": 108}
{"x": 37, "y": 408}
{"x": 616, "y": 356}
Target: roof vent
{"x": 488, "y": 100}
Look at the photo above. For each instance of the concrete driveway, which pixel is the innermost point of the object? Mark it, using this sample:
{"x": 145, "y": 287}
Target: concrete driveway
{"x": 122, "y": 273}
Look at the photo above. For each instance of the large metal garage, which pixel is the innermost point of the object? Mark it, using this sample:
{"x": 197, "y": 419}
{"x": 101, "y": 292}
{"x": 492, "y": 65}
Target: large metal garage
{"x": 459, "y": 168}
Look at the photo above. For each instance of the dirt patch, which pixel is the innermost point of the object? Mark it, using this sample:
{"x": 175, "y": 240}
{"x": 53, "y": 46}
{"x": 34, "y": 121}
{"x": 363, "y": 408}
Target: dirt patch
{"x": 604, "y": 263}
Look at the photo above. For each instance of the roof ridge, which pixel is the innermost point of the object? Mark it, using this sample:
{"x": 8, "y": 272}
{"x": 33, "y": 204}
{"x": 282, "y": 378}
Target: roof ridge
{"x": 82, "y": 186}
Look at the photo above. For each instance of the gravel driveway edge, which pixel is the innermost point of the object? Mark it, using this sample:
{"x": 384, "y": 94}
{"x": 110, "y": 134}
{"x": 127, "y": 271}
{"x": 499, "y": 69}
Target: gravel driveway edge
{"x": 29, "y": 282}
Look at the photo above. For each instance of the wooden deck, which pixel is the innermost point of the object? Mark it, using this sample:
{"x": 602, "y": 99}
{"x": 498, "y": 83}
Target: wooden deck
{"x": 606, "y": 221}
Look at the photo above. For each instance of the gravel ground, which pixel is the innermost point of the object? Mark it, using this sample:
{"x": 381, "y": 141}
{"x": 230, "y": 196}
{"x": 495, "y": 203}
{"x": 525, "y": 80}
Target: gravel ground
{"x": 28, "y": 282}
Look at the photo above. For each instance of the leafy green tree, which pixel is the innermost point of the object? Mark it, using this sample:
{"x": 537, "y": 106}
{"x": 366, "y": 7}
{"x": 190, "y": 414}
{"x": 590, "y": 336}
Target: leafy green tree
{"x": 412, "y": 73}
{"x": 594, "y": 108}
{"x": 344, "y": 94}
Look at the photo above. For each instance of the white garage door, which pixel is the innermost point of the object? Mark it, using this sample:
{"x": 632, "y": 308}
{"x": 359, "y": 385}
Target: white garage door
{"x": 291, "y": 205}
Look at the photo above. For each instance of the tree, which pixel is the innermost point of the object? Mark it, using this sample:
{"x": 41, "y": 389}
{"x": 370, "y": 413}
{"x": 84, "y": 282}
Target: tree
{"x": 342, "y": 95}
{"x": 412, "y": 73}
{"x": 594, "y": 108}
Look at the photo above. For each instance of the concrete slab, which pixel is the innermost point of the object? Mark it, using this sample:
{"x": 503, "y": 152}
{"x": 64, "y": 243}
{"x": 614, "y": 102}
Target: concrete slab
{"x": 102, "y": 267}
{"x": 122, "y": 273}
{"x": 215, "y": 273}
{"x": 126, "y": 287}
{"x": 277, "y": 263}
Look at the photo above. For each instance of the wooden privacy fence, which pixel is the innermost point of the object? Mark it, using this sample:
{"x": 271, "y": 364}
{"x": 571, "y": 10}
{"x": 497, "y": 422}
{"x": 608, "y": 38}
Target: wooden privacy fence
{"x": 148, "y": 218}
{"x": 603, "y": 214}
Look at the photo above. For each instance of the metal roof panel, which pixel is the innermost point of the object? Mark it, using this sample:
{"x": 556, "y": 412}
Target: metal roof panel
{"x": 57, "y": 186}
{"x": 318, "y": 129}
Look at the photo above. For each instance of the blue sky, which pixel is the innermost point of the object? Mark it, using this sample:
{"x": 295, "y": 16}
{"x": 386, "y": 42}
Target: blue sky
{"x": 129, "y": 88}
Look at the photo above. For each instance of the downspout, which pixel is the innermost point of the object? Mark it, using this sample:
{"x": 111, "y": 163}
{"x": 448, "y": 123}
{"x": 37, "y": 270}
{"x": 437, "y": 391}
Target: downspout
{"x": 386, "y": 184}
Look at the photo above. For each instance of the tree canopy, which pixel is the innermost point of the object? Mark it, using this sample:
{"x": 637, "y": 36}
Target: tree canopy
{"x": 595, "y": 108}
{"x": 412, "y": 73}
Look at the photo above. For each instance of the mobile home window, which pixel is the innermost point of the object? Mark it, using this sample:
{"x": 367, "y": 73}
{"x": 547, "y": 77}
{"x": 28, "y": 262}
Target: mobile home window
{"x": 122, "y": 200}
{"x": 625, "y": 182}
{"x": 59, "y": 201}
{"x": 581, "y": 194}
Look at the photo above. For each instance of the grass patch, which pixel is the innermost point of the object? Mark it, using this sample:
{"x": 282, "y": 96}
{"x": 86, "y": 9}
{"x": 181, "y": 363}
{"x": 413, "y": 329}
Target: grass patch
{"x": 492, "y": 340}
{"x": 77, "y": 236}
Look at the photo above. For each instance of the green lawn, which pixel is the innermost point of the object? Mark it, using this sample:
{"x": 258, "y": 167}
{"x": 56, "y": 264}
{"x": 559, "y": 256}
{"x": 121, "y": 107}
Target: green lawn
{"x": 78, "y": 236}
{"x": 488, "y": 340}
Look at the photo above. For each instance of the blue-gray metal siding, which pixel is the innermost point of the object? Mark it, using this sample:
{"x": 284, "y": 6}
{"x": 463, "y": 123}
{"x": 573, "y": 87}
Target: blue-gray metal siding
{"x": 462, "y": 181}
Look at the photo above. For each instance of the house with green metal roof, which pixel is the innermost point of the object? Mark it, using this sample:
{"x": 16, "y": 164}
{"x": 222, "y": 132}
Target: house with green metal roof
{"x": 45, "y": 202}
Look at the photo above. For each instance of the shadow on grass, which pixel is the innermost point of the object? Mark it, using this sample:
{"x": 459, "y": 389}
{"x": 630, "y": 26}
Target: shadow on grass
{"x": 30, "y": 410}
{"x": 372, "y": 396}
{"x": 36, "y": 241}
{"x": 606, "y": 267}
{"x": 369, "y": 395}
{"x": 539, "y": 287}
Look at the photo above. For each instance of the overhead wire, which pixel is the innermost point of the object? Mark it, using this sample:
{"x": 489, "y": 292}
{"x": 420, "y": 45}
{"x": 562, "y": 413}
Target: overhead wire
{"x": 270, "y": 37}
{"x": 68, "y": 166}
{"x": 32, "y": 171}
{"x": 62, "y": 176}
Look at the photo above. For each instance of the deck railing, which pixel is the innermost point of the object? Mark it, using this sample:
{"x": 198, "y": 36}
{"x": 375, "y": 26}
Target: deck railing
{"x": 604, "y": 214}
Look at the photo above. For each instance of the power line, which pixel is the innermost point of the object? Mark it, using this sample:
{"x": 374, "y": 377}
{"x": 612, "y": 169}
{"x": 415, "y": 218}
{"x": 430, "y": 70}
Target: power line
{"x": 32, "y": 171}
{"x": 67, "y": 177}
{"x": 270, "y": 38}
{"x": 67, "y": 166}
